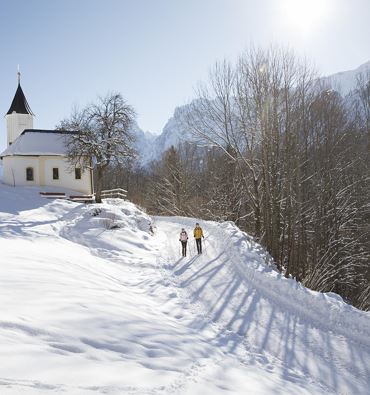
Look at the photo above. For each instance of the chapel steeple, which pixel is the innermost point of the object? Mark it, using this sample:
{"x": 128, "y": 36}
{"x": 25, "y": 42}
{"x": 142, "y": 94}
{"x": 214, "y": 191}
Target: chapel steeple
{"x": 19, "y": 104}
{"x": 19, "y": 116}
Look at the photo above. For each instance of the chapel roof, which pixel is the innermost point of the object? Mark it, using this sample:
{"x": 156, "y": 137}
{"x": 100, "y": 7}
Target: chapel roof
{"x": 38, "y": 142}
{"x": 19, "y": 104}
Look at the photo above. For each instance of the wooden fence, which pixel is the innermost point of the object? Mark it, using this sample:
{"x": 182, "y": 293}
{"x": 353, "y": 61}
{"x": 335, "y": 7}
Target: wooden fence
{"x": 117, "y": 193}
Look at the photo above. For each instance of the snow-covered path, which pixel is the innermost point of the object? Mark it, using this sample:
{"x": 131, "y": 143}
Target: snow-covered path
{"x": 92, "y": 303}
{"x": 302, "y": 334}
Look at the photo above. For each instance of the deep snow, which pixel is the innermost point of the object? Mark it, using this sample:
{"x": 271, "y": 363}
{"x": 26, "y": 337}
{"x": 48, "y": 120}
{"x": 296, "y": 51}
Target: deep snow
{"x": 93, "y": 302}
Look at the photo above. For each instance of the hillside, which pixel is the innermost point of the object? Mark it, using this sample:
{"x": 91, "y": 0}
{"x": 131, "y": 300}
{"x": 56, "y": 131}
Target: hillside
{"x": 96, "y": 300}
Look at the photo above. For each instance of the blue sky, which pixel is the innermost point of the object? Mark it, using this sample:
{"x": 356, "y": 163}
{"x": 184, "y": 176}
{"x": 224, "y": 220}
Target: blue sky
{"x": 155, "y": 51}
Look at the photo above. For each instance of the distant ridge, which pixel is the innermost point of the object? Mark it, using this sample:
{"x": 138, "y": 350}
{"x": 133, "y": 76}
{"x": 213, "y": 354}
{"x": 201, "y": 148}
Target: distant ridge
{"x": 345, "y": 81}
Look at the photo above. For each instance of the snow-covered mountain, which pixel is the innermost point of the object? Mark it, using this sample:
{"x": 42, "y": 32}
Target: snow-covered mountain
{"x": 143, "y": 142}
{"x": 94, "y": 302}
{"x": 150, "y": 147}
{"x": 345, "y": 81}
{"x": 174, "y": 132}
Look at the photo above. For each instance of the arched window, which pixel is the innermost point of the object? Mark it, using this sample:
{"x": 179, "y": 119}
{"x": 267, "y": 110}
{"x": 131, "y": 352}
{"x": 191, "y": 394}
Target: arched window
{"x": 29, "y": 174}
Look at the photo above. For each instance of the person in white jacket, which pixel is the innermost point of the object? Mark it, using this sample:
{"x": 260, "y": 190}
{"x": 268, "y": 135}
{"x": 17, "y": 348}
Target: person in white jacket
{"x": 184, "y": 241}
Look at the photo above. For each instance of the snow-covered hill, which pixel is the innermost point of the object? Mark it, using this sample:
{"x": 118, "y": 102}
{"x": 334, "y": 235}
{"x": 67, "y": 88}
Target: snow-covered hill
{"x": 93, "y": 302}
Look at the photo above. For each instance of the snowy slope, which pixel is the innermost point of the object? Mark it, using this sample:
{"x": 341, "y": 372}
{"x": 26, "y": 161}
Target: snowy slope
{"x": 94, "y": 303}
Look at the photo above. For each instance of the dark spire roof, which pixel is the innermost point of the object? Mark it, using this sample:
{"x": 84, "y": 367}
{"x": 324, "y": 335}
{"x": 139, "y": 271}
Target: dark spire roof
{"x": 19, "y": 103}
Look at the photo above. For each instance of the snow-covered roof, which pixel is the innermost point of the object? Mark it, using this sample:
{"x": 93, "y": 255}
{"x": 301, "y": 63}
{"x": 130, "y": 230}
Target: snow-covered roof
{"x": 37, "y": 142}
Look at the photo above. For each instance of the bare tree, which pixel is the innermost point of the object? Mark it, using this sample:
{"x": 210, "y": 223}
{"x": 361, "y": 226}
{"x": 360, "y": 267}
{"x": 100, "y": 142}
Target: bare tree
{"x": 302, "y": 171}
{"x": 362, "y": 102}
{"x": 104, "y": 136}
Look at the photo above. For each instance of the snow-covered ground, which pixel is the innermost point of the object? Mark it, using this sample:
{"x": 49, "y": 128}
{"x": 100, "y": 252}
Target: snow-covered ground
{"x": 92, "y": 302}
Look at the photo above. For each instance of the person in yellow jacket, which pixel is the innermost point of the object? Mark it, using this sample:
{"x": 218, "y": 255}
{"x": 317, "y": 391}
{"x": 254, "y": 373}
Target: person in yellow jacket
{"x": 198, "y": 235}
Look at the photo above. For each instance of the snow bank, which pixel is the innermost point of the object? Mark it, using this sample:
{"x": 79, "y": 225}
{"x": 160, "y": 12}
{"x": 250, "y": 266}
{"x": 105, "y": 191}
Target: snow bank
{"x": 326, "y": 309}
{"x": 108, "y": 228}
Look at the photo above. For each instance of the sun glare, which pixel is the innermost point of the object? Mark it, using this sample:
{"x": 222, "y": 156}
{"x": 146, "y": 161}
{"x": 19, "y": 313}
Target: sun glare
{"x": 304, "y": 15}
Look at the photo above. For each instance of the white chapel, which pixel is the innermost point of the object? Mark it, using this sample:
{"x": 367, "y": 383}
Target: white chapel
{"x": 35, "y": 157}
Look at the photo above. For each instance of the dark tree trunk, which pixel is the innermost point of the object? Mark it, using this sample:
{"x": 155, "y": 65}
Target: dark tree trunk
{"x": 99, "y": 183}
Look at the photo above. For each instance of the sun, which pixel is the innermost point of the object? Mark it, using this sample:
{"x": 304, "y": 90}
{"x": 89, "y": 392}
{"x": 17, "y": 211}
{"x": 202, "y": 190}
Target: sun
{"x": 304, "y": 15}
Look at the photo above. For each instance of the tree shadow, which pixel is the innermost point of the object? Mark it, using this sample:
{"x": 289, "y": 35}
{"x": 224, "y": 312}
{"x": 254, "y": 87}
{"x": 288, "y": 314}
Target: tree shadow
{"x": 9, "y": 229}
{"x": 275, "y": 336}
